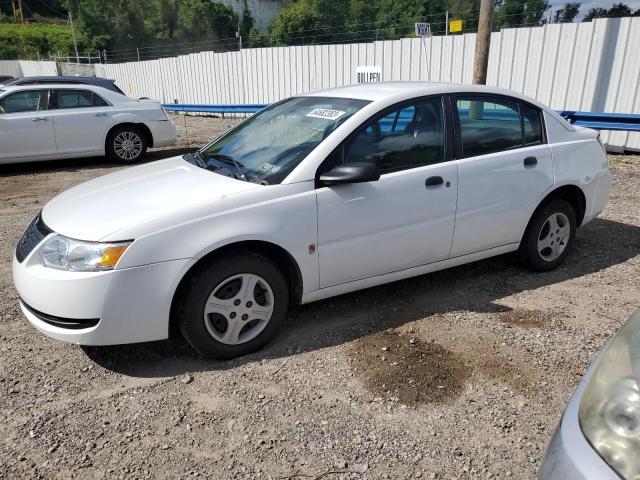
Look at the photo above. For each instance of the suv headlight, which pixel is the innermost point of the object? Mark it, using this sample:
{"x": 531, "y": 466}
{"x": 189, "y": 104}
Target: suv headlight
{"x": 609, "y": 411}
{"x": 67, "y": 254}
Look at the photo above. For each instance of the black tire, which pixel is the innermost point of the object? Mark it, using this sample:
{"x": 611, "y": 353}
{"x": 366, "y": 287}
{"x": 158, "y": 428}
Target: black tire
{"x": 119, "y": 155}
{"x": 193, "y": 299}
{"x": 538, "y": 229}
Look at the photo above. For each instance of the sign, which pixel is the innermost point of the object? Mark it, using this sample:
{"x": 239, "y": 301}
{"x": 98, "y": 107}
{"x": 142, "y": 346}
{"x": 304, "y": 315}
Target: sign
{"x": 455, "y": 26}
{"x": 423, "y": 29}
{"x": 368, "y": 74}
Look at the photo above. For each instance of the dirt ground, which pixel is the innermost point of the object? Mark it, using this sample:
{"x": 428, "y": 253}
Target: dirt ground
{"x": 457, "y": 374}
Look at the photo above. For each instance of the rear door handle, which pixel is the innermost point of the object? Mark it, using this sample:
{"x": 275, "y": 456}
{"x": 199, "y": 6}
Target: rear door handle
{"x": 433, "y": 181}
{"x": 530, "y": 161}
{"x": 102, "y": 114}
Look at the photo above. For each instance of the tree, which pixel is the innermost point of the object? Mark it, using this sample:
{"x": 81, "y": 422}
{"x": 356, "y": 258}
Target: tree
{"x": 617, "y": 10}
{"x": 567, "y": 13}
{"x": 516, "y": 13}
{"x": 246, "y": 21}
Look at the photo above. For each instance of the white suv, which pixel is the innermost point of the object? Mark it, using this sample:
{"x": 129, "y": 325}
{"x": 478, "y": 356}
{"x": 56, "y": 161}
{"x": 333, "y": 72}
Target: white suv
{"x": 48, "y": 122}
{"x": 312, "y": 197}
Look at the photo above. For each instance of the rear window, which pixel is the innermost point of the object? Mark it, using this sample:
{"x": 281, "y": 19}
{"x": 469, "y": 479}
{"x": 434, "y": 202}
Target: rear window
{"x": 493, "y": 124}
{"x": 77, "y": 99}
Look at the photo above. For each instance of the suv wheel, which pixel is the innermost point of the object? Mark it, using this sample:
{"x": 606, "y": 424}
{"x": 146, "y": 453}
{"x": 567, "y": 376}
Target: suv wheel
{"x": 126, "y": 145}
{"x": 234, "y": 306}
{"x": 549, "y": 235}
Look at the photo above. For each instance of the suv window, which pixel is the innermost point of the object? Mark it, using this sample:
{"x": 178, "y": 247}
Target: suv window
{"x": 76, "y": 99}
{"x": 411, "y": 136}
{"x": 26, "y": 101}
{"x": 489, "y": 124}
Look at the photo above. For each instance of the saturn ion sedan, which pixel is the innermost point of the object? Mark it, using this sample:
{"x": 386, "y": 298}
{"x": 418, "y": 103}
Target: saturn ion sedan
{"x": 314, "y": 196}
{"x": 598, "y": 437}
{"x": 65, "y": 120}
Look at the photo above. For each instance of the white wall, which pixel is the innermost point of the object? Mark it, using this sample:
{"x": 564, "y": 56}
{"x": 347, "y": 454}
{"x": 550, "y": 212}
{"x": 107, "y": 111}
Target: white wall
{"x": 27, "y": 68}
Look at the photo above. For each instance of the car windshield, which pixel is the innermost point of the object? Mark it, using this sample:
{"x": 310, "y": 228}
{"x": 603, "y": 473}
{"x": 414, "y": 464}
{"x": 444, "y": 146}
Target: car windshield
{"x": 268, "y": 146}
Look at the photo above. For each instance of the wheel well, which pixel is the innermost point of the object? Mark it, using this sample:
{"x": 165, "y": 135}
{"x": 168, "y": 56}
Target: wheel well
{"x": 571, "y": 194}
{"x": 138, "y": 126}
{"x": 277, "y": 254}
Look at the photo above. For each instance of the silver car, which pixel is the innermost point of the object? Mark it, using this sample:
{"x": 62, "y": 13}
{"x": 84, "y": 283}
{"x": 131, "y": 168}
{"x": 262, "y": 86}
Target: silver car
{"x": 599, "y": 434}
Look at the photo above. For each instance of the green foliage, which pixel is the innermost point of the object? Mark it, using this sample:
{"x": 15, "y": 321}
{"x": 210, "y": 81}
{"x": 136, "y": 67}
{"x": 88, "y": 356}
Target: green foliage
{"x": 568, "y": 13}
{"x": 617, "y": 10}
{"x": 516, "y": 13}
{"x": 29, "y": 41}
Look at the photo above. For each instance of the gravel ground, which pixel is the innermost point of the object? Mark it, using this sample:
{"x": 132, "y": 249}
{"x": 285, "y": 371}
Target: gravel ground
{"x": 458, "y": 374}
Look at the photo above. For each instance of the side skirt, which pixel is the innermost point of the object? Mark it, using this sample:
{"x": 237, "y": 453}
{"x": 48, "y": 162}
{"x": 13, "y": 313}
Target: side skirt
{"x": 406, "y": 273}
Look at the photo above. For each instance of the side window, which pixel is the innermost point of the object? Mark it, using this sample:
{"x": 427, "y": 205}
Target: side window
{"x": 532, "y": 125}
{"x": 77, "y": 99}
{"x": 27, "y": 101}
{"x": 488, "y": 125}
{"x": 412, "y": 136}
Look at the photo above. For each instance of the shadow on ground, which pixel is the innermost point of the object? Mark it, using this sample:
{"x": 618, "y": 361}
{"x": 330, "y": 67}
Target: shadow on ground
{"x": 472, "y": 287}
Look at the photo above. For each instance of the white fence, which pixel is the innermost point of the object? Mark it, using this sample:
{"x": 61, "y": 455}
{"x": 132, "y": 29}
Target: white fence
{"x": 27, "y": 68}
{"x": 592, "y": 66}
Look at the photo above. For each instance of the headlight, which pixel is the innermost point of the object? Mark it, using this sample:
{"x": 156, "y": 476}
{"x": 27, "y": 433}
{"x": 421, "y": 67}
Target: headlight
{"x": 67, "y": 254}
{"x": 610, "y": 407}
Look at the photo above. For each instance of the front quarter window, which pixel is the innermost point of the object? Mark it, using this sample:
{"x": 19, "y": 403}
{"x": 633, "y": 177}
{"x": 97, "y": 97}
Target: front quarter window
{"x": 268, "y": 146}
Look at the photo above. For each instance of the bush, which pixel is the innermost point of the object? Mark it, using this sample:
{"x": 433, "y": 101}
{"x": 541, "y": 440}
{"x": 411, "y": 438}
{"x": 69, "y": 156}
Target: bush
{"x": 27, "y": 41}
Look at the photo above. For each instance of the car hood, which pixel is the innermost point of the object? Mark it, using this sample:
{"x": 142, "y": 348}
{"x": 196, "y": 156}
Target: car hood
{"x": 102, "y": 207}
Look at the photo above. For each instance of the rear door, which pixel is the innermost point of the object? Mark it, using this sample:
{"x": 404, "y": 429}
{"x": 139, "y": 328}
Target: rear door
{"x": 504, "y": 166}
{"x": 81, "y": 119}
{"x": 26, "y": 129}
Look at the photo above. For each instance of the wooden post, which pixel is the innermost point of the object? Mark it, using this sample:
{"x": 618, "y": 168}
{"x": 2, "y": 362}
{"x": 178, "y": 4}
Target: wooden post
{"x": 483, "y": 40}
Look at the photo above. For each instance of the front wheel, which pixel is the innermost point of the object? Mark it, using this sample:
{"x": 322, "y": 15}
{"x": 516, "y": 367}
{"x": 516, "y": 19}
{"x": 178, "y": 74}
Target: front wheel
{"x": 549, "y": 236}
{"x": 234, "y": 306}
{"x": 126, "y": 145}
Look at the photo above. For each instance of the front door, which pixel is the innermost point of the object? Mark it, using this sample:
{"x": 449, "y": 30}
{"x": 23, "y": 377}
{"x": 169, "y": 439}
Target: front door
{"x": 26, "y": 129}
{"x": 403, "y": 220}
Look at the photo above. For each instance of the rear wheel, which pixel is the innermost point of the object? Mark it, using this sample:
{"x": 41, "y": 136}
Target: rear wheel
{"x": 233, "y": 307}
{"x": 549, "y": 235}
{"x": 126, "y": 145}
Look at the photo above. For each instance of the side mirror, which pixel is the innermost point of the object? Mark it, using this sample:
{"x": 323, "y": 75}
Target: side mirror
{"x": 357, "y": 172}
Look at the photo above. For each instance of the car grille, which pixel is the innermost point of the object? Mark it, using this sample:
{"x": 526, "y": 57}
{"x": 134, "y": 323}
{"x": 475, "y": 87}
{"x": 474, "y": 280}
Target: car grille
{"x": 34, "y": 234}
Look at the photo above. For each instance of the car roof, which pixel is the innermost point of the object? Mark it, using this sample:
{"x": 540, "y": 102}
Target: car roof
{"x": 405, "y": 90}
{"x": 39, "y": 80}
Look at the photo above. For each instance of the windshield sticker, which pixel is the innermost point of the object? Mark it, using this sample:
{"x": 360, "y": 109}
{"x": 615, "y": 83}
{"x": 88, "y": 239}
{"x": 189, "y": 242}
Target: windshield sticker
{"x": 268, "y": 168}
{"x": 326, "y": 114}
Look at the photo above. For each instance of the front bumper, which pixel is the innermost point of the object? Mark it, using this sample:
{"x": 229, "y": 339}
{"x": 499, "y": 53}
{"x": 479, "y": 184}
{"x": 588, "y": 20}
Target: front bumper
{"x": 130, "y": 305}
{"x": 569, "y": 455}
{"x": 163, "y": 132}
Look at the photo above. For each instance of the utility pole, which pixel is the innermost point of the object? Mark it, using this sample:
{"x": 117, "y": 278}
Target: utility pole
{"x": 73, "y": 34}
{"x": 17, "y": 9}
{"x": 483, "y": 40}
{"x": 446, "y": 24}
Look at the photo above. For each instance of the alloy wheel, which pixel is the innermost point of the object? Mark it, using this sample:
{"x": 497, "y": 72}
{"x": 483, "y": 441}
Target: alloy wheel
{"x": 127, "y": 145}
{"x": 554, "y": 236}
{"x": 239, "y": 308}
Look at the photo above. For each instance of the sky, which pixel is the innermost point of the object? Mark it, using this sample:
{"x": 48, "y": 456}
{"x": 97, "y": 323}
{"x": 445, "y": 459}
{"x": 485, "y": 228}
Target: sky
{"x": 589, "y": 4}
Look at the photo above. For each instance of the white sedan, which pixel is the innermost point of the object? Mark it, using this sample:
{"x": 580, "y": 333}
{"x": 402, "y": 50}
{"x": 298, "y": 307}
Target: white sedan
{"x": 314, "y": 196}
{"x": 49, "y": 122}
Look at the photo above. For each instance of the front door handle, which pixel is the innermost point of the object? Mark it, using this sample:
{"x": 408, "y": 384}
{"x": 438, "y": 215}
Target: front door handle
{"x": 433, "y": 181}
{"x": 41, "y": 119}
{"x": 530, "y": 161}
